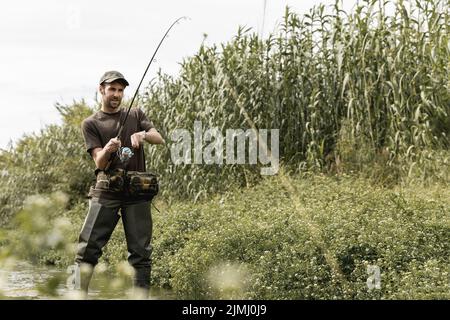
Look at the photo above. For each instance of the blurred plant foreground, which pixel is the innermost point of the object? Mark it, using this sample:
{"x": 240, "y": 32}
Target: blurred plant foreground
{"x": 362, "y": 102}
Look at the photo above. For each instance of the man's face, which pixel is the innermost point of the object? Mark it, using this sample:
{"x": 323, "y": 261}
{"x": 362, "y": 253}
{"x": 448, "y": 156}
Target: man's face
{"x": 112, "y": 94}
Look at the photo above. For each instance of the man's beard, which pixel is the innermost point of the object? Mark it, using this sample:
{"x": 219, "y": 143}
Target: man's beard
{"x": 114, "y": 104}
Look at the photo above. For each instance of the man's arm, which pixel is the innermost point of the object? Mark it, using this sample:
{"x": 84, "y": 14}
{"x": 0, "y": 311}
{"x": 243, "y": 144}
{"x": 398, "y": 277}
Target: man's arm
{"x": 101, "y": 156}
{"x": 151, "y": 136}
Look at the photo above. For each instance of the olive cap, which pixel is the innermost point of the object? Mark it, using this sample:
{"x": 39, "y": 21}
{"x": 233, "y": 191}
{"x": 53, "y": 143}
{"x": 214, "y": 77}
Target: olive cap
{"x": 111, "y": 76}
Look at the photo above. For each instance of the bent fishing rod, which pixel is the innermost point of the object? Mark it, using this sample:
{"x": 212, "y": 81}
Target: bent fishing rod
{"x": 137, "y": 89}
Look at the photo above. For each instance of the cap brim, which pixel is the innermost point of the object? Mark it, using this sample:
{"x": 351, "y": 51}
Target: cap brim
{"x": 117, "y": 79}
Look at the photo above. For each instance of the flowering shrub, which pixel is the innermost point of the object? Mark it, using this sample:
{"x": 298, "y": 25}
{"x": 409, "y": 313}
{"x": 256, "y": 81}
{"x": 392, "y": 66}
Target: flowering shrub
{"x": 318, "y": 250}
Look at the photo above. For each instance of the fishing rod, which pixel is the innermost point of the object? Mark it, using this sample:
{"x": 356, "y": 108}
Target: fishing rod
{"x": 128, "y": 153}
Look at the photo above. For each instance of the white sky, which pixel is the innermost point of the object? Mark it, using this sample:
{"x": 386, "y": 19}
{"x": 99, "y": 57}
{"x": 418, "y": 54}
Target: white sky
{"x": 56, "y": 51}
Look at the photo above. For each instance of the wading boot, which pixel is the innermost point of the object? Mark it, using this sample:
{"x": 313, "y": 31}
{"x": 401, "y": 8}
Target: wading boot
{"x": 141, "y": 283}
{"x": 83, "y": 277}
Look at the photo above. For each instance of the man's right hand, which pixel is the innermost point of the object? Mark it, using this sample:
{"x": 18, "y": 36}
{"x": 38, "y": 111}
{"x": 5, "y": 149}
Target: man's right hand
{"x": 112, "y": 146}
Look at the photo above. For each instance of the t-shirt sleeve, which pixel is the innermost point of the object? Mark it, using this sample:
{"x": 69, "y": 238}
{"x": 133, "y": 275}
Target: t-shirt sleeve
{"x": 144, "y": 122}
{"x": 91, "y": 138}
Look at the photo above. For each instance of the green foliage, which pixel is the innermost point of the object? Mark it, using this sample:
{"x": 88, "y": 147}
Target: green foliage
{"x": 53, "y": 160}
{"x": 381, "y": 78}
{"x": 303, "y": 237}
{"x": 75, "y": 113}
{"x": 43, "y": 226}
{"x": 279, "y": 251}
{"x": 362, "y": 93}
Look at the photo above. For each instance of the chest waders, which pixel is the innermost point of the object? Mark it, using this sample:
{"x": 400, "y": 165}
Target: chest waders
{"x": 137, "y": 190}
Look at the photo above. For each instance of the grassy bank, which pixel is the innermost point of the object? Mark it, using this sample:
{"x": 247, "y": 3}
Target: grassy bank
{"x": 307, "y": 237}
{"x": 300, "y": 237}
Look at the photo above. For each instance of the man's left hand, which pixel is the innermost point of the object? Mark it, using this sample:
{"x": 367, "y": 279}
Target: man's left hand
{"x": 137, "y": 139}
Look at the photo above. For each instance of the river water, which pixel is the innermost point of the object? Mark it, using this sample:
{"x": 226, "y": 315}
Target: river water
{"x": 23, "y": 281}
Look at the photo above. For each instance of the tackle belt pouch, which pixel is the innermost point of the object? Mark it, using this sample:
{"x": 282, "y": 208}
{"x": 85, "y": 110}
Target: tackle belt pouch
{"x": 113, "y": 180}
{"x": 142, "y": 184}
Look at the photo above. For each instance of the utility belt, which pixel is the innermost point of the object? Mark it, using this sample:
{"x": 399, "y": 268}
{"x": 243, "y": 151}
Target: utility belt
{"x": 131, "y": 183}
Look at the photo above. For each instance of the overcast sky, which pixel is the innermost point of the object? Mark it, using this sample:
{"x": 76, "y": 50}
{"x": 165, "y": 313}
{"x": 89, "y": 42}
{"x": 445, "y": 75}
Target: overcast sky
{"x": 56, "y": 51}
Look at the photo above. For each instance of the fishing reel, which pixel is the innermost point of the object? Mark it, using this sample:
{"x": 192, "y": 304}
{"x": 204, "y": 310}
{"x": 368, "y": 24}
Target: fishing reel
{"x": 125, "y": 154}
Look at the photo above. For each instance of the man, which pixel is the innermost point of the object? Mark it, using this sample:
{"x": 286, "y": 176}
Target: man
{"x": 100, "y": 134}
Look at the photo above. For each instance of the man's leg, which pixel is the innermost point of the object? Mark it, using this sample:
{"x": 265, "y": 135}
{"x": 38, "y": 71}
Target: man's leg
{"x": 98, "y": 226}
{"x": 137, "y": 223}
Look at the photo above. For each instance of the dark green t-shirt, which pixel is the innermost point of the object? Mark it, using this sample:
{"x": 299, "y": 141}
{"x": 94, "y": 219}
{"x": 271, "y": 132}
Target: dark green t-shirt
{"x": 100, "y": 127}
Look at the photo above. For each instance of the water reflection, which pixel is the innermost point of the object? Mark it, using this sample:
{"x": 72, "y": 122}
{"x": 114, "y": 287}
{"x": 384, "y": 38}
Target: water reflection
{"x": 23, "y": 281}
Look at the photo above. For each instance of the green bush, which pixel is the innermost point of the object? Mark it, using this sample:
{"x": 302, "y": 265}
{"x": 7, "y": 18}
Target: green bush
{"x": 301, "y": 237}
{"x": 283, "y": 249}
{"x": 42, "y": 163}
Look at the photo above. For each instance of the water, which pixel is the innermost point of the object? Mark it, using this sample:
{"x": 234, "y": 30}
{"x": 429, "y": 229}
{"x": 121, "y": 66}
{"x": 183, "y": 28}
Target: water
{"x": 24, "y": 280}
